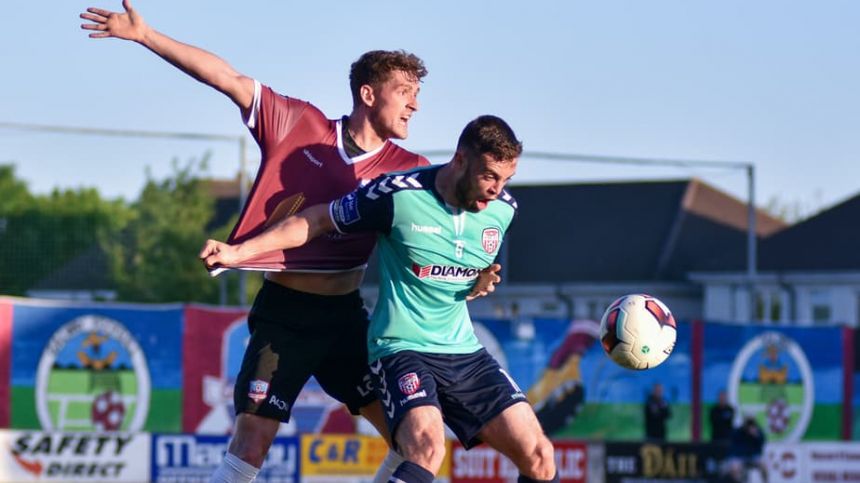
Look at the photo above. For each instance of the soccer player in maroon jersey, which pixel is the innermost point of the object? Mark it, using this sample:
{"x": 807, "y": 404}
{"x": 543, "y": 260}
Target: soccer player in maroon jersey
{"x": 308, "y": 318}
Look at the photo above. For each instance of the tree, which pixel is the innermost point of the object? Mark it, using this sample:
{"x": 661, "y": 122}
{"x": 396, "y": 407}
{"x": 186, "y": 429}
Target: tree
{"x": 41, "y": 233}
{"x": 232, "y": 285}
{"x": 15, "y": 194}
{"x": 156, "y": 258}
{"x": 793, "y": 211}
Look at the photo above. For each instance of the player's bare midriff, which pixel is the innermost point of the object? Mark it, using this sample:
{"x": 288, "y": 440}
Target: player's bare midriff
{"x": 331, "y": 283}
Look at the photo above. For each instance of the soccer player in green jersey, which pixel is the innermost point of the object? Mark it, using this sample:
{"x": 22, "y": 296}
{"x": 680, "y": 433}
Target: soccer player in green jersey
{"x": 437, "y": 227}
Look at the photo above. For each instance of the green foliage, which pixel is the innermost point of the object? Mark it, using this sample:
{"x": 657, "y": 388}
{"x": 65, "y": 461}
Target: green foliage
{"x": 793, "y": 211}
{"x": 14, "y": 194}
{"x": 38, "y": 234}
{"x": 231, "y": 278}
{"x": 156, "y": 258}
{"x": 147, "y": 250}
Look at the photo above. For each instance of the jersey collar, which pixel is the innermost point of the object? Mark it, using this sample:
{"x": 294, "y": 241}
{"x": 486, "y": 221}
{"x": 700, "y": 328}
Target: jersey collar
{"x": 345, "y": 157}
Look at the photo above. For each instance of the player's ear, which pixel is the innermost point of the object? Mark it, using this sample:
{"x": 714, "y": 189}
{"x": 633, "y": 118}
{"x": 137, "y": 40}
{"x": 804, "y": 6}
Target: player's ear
{"x": 459, "y": 159}
{"x": 367, "y": 95}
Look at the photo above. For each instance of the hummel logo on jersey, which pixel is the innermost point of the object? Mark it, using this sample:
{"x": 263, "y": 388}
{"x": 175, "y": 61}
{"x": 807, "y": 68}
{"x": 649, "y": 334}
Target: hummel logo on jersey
{"x": 316, "y": 162}
{"x": 436, "y": 230}
{"x": 445, "y": 273}
{"x": 391, "y": 183}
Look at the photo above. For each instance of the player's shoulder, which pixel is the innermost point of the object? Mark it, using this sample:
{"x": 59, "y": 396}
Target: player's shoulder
{"x": 508, "y": 199}
{"x": 269, "y": 92}
{"x": 413, "y": 179}
{"x": 503, "y": 210}
{"x": 404, "y": 158}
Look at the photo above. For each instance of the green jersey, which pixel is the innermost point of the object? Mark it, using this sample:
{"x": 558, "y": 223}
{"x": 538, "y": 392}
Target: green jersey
{"x": 430, "y": 255}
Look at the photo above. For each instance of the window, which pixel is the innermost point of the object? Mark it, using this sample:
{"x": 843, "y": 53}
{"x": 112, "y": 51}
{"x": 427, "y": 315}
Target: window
{"x": 820, "y": 306}
{"x": 776, "y": 309}
{"x": 769, "y": 306}
{"x": 594, "y": 310}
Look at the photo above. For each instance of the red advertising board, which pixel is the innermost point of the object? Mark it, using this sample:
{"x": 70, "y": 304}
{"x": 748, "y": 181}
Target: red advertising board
{"x": 206, "y": 353}
{"x": 486, "y": 465}
{"x": 5, "y": 360}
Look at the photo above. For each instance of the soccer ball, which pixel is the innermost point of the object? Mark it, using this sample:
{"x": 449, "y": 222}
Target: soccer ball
{"x": 638, "y": 331}
{"x": 108, "y": 411}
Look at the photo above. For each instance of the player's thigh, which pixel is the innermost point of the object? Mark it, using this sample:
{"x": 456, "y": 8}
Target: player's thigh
{"x": 515, "y": 432}
{"x": 277, "y": 363}
{"x": 420, "y": 436}
{"x": 344, "y": 372}
{"x": 403, "y": 382}
{"x": 475, "y": 390}
{"x": 374, "y": 413}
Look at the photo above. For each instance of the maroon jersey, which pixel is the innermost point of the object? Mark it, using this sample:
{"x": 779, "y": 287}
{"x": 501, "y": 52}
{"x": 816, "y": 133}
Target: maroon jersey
{"x": 304, "y": 163}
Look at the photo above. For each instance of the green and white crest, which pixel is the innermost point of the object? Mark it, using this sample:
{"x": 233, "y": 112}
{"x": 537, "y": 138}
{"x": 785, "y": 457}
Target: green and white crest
{"x": 92, "y": 376}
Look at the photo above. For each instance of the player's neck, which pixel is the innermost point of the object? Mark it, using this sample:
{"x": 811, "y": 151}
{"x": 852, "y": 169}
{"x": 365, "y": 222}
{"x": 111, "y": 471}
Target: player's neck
{"x": 362, "y": 132}
{"x": 445, "y": 184}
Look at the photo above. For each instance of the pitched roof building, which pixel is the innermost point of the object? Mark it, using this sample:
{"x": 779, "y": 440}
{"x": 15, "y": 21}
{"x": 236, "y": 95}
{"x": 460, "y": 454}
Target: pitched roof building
{"x": 808, "y": 273}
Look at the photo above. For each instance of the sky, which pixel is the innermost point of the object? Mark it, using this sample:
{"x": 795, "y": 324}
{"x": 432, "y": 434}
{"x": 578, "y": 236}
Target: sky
{"x": 774, "y": 83}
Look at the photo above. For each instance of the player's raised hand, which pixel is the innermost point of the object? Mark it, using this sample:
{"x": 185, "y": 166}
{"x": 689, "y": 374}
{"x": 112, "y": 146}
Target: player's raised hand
{"x": 128, "y": 25}
{"x": 216, "y": 254}
{"x": 486, "y": 283}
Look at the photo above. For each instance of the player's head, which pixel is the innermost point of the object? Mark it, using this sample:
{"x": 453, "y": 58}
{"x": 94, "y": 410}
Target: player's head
{"x": 749, "y": 421}
{"x": 486, "y": 159}
{"x": 385, "y": 85}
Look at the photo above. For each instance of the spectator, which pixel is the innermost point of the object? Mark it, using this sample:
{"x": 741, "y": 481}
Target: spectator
{"x": 657, "y": 412}
{"x": 722, "y": 416}
{"x": 746, "y": 450}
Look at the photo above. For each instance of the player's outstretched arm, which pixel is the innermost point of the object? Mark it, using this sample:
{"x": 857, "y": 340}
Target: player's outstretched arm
{"x": 486, "y": 283}
{"x": 290, "y": 232}
{"x": 198, "y": 63}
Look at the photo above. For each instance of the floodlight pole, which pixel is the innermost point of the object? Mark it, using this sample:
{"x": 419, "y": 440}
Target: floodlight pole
{"x": 752, "y": 253}
{"x": 748, "y": 167}
{"x": 243, "y": 181}
{"x": 243, "y": 196}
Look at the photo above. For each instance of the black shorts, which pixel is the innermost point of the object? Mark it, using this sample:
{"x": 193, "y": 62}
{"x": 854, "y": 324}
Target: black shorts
{"x": 469, "y": 389}
{"x": 295, "y": 335}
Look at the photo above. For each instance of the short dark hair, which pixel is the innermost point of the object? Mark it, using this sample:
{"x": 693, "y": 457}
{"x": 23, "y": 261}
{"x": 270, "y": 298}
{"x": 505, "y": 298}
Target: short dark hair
{"x": 490, "y": 135}
{"x": 374, "y": 67}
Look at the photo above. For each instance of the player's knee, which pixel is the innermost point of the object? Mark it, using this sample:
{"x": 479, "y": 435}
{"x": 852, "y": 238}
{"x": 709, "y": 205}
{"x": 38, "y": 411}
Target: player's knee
{"x": 253, "y": 455}
{"x": 540, "y": 460}
{"x": 251, "y": 447}
{"x": 425, "y": 448}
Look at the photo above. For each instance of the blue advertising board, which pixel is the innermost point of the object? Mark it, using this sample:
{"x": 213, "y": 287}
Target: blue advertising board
{"x": 189, "y": 458}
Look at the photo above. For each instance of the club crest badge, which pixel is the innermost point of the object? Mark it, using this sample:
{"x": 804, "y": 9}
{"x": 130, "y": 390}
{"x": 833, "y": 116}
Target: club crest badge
{"x": 490, "y": 240}
{"x": 258, "y": 390}
{"x": 409, "y": 383}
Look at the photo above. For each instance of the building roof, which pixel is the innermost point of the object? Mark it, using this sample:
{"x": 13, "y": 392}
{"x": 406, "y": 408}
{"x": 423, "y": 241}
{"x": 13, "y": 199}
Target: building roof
{"x": 87, "y": 271}
{"x": 625, "y": 231}
{"x": 827, "y": 241}
{"x": 226, "y": 193}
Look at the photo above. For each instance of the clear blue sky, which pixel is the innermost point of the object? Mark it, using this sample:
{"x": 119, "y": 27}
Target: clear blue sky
{"x": 775, "y": 82}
